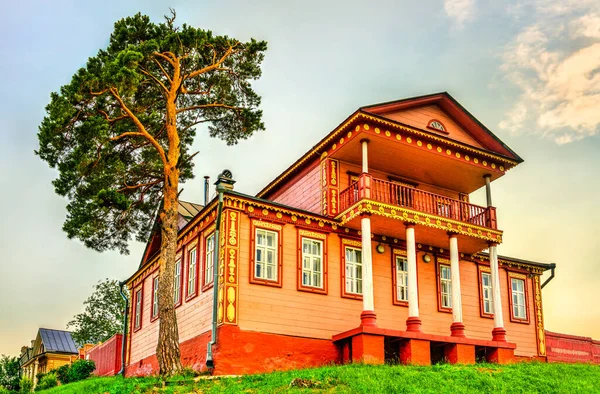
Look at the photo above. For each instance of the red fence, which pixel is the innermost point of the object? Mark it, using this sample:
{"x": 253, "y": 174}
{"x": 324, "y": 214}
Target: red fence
{"x": 565, "y": 348}
{"x": 107, "y": 356}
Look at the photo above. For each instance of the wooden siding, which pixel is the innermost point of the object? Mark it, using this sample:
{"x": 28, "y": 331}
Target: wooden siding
{"x": 302, "y": 192}
{"x": 420, "y": 117}
{"x": 193, "y": 317}
{"x": 288, "y": 311}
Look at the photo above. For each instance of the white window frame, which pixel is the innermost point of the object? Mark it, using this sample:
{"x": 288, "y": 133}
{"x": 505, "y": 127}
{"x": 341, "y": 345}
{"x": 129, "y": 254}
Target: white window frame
{"x": 177, "y": 282}
{"x": 138, "y": 309}
{"x": 401, "y": 278}
{"x": 486, "y": 293}
{"x": 262, "y": 265}
{"x": 518, "y": 299}
{"x": 354, "y": 272}
{"x": 155, "y": 297}
{"x": 445, "y": 296}
{"x": 310, "y": 261}
{"x": 192, "y": 271}
{"x": 209, "y": 259}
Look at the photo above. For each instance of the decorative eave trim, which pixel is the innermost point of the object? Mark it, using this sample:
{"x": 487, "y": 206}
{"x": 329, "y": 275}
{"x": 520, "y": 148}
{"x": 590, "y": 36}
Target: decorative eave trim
{"x": 360, "y": 115}
{"x": 510, "y": 264}
{"x": 415, "y": 217}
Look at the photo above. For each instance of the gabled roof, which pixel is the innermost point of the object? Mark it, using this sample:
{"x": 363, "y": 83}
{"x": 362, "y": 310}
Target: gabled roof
{"x": 446, "y": 102}
{"x": 59, "y": 341}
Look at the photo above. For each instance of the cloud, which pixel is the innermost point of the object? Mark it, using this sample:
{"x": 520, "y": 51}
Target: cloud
{"x": 460, "y": 11}
{"x": 555, "y": 62}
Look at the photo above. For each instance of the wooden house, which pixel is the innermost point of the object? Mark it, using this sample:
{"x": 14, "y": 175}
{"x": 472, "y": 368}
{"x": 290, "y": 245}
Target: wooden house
{"x": 366, "y": 248}
{"x": 49, "y": 350}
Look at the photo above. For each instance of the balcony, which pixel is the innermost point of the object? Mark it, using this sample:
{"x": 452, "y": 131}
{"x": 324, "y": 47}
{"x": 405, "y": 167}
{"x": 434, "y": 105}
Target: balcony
{"x": 409, "y": 204}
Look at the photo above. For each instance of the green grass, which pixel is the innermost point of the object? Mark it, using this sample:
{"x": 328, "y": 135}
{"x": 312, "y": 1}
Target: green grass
{"x": 480, "y": 378}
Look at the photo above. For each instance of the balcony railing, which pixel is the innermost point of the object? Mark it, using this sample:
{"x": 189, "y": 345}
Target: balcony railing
{"x": 391, "y": 193}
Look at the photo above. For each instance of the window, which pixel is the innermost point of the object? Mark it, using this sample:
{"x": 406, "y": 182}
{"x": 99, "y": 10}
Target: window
{"x": 138, "y": 310}
{"x": 401, "y": 279}
{"x": 444, "y": 287}
{"x": 312, "y": 262}
{"x": 177, "y": 283}
{"x": 209, "y": 259}
{"x": 154, "y": 298}
{"x": 265, "y": 264}
{"x": 518, "y": 299}
{"x": 192, "y": 274}
{"x": 353, "y": 270}
{"x": 486, "y": 294}
{"x": 436, "y": 125}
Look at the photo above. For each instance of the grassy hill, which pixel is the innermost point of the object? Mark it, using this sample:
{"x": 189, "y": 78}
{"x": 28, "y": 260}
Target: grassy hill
{"x": 480, "y": 378}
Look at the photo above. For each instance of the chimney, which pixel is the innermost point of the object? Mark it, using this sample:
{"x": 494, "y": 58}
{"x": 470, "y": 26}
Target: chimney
{"x": 206, "y": 178}
{"x": 32, "y": 343}
{"x": 225, "y": 181}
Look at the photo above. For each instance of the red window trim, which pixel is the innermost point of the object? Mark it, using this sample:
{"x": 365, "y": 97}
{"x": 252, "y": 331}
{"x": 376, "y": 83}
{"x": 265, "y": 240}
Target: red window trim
{"x": 153, "y": 317}
{"x": 481, "y": 269}
{"x": 353, "y": 243}
{"x": 187, "y": 251}
{"x": 268, "y": 226}
{"x": 206, "y": 286}
{"x": 523, "y": 277}
{"x": 445, "y": 131}
{"x": 140, "y": 290}
{"x": 180, "y": 284}
{"x": 439, "y": 261}
{"x": 395, "y": 300}
{"x": 318, "y": 236}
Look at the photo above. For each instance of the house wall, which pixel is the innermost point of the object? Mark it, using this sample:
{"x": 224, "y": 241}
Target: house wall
{"x": 286, "y": 310}
{"x": 193, "y": 317}
{"x": 420, "y": 117}
{"x": 302, "y": 191}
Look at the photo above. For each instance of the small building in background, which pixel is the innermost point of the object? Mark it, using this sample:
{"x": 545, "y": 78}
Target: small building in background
{"x": 49, "y": 350}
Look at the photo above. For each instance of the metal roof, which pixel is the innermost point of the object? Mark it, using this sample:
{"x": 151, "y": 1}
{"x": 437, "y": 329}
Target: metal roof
{"x": 58, "y": 341}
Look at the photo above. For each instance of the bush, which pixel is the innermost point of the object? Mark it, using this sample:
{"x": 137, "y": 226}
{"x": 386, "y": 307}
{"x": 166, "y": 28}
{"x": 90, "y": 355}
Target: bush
{"x": 4, "y": 390}
{"x": 48, "y": 381}
{"x": 26, "y": 385}
{"x": 40, "y": 376}
{"x": 79, "y": 370}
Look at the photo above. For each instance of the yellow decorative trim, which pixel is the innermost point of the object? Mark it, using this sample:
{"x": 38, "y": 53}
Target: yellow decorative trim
{"x": 483, "y": 268}
{"x": 442, "y": 260}
{"x": 517, "y": 276}
{"x": 269, "y": 225}
{"x": 400, "y": 252}
{"x": 312, "y": 234}
{"x": 351, "y": 242}
{"x": 541, "y": 334}
{"x": 506, "y": 263}
{"x": 410, "y": 216}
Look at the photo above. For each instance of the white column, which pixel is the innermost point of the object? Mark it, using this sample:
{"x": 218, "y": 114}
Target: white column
{"x": 499, "y": 333}
{"x": 367, "y": 264}
{"x": 457, "y": 328}
{"x": 413, "y": 323}
{"x": 365, "y": 156}
{"x": 35, "y": 371}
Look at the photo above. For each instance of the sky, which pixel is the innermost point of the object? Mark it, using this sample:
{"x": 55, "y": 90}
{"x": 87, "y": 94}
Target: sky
{"x": 527, "y": 69}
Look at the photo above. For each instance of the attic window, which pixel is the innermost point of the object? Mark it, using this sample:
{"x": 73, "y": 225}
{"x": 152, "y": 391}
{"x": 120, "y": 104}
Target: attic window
{"x": 437, "y": 126}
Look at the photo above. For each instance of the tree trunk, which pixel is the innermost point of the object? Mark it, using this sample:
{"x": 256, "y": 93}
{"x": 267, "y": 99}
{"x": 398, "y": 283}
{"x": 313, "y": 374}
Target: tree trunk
{"x": 167, "y": 350}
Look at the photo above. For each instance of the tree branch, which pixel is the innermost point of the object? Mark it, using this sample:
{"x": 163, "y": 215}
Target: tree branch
{"x": 208, "y": 106}
{"x": 140, "y": 127}
{"x": 155, "y": 80}
{"x": 168, "y": 59}
{"x": 212, "y": 66}
{"x": 163, "y": 70}
{"x": 127, "y": 187}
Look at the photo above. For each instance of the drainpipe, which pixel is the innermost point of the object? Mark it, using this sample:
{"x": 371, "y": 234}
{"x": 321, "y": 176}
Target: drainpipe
{"x": 206, "y": 178}
{"x": 224, "y": 182}
{"x": 123, "y": 341}
{"x": 552, "y": 267}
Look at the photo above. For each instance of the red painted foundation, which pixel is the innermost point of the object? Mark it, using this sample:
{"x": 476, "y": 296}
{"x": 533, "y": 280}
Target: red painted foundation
{"x": 246, "y": 352}
{"x": 457, "y": 353}
{"x": 368, "y": 349}
{"x": 415, "y": 352}
{"x": 500, "y": 356}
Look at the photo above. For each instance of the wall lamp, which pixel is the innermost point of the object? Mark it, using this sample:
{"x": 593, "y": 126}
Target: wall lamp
{"x": 380, "y": 248}
{"x": 426, "y": 258}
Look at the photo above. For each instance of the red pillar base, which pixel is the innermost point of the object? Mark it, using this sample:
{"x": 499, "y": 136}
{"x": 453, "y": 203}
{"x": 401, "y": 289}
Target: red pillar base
{"x": 500, "y": 355}
{"x": 415, "y": 352}
{"x": 368, "y": 349}
{"x": 457, "y": 329}
{"x": 413, "y": 323}
{"x": 457, "y": 353}
{"x": 368, "y": 318}
{"x": 499, "y": 334}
